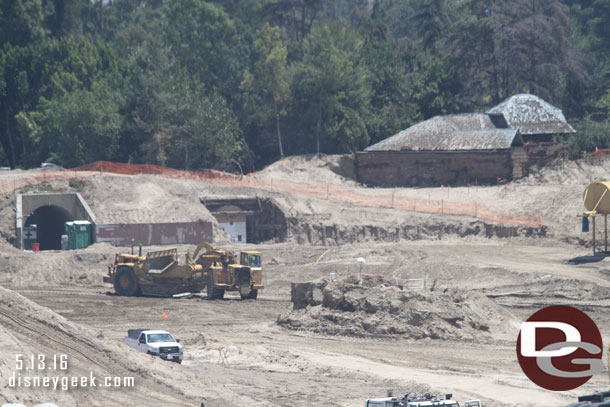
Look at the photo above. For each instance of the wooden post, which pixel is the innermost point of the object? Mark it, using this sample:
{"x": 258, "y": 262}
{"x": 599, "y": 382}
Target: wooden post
{"x": 593, "y": 235}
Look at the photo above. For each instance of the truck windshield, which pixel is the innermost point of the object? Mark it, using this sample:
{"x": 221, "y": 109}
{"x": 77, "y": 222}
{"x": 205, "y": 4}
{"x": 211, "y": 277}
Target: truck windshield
{"x": 160, "y": 338}
{"x": 255, "y": 260}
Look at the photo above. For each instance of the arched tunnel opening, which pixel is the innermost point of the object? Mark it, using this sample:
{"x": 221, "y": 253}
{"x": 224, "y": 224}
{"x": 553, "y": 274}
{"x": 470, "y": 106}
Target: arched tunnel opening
{"x": 50, "y": 220}
{"x": 249, "y": 220}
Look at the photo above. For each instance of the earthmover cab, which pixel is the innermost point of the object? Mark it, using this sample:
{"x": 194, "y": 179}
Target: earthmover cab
{"x": 225, "y": 274}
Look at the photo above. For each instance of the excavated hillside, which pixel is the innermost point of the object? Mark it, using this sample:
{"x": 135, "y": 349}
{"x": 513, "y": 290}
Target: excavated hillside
{"x": 28, "y": 330}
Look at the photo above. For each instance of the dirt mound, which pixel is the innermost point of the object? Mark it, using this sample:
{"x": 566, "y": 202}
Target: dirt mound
{"x": 144, "y": 199}
{"x": 344, "y": 308}
{"x": 313, "y": 168}
{"x": 30, "y": 330}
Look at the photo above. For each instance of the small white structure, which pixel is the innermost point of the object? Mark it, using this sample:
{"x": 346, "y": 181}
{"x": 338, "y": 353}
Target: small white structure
{"x": 233, "y": 222}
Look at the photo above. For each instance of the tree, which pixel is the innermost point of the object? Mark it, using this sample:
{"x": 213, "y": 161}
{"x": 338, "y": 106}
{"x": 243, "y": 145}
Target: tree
{"x": 392, "y": 105}
{"x": 438, "y": 91}
{"x": 75, "y": 128}
{"x": 332, "y": 90}
{"x": 173, "y": 120}
{"x": 205, "y": 41}
{"x": 204, "y": 132}
{"x": 295, "y": 16}
{"x": 270, "y": 79}
{"x": 430, "y": 20}
{"x": 22, "y": 22}
{"x": 49, "y": 69}
{"x": 503, "y": 48}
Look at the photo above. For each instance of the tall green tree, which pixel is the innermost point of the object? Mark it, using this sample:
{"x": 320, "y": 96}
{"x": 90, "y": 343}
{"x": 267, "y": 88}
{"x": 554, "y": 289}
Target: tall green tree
{"x": 332, "y": 90}
{"x": 206, "y": 41}
{"x": 75, "y": 128}
{"x": 22, "y": 22}
{"x": 204, "y": 131}
{"x": 270, "y": 76}
{"x": 503, "y": 48}
{"x": 296, "y": 16}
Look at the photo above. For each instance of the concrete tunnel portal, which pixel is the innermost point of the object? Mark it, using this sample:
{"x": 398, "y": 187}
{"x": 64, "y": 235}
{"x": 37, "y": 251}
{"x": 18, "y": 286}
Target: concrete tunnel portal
{"x": 50, "y": 220}
{"x": 49, "y": 212}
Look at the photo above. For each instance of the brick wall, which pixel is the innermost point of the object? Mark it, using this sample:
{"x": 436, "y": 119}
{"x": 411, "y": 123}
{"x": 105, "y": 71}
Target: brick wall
{"x": 423, "y": 168}
{"x": 537, "y": 155}
{"x": 430, "y": 168}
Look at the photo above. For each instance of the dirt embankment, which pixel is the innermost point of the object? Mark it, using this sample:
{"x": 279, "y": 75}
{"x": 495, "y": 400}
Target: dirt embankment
{"x": 349, "y": 308}
{"x": 30, "y": 330}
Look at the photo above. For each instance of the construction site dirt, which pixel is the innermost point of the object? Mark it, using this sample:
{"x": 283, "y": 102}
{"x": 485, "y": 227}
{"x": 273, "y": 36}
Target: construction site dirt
{"x": 474, "y": 291}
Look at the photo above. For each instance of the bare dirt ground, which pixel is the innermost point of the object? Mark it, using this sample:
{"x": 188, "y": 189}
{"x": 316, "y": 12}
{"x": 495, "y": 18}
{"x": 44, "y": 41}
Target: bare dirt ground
{"x": 272, "y": 365}
{"x": 66, "y": 309}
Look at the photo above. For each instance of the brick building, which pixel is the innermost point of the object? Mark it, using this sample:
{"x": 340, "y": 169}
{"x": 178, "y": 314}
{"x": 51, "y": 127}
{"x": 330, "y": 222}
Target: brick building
{"x": 502, "y": 143}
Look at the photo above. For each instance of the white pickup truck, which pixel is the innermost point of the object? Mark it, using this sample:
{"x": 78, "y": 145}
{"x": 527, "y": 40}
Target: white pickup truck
{"x": 156, "y": 343}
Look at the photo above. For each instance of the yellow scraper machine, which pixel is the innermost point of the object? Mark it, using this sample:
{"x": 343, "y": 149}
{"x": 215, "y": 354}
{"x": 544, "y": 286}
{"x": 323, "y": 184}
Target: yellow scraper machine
{"x": 596, "y": 202}
{"x": 159, "y": 273}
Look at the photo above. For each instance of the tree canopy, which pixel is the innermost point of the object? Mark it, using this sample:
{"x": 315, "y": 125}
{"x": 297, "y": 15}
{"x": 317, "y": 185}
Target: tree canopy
{"x": 236, "y": 84}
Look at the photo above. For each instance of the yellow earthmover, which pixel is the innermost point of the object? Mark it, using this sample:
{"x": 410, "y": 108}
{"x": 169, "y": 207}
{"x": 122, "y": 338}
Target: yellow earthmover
{"x": 159, "y": 273}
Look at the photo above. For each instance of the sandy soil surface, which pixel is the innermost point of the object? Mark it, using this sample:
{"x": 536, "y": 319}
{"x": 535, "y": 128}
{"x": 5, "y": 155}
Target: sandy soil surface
{"x": 481, "y": 280}
{"x": 269, "y": 364}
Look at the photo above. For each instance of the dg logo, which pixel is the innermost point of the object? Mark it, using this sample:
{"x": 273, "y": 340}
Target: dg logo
{"x": 560, "y": 348}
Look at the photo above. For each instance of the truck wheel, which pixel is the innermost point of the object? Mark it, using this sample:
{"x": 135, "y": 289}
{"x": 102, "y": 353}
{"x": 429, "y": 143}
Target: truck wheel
{"x": 213, "y": 292}
{"x": 126, "y": 282}
{"x": 252, "y": 296}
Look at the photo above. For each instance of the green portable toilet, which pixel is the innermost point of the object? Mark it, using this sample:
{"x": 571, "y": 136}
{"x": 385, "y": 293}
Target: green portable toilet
{"x": 82, "y": 232}
{"x": 30, "y": 235}
{"x": 69, "y": 231}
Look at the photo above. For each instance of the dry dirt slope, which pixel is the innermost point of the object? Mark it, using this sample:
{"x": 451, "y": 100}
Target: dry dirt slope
{"x": 29, "y": 329}
{"x": 554, "y": 192}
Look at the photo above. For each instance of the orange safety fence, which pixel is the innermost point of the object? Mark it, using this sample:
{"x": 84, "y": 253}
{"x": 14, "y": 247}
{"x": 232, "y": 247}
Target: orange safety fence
{"x": 373, "y": 198}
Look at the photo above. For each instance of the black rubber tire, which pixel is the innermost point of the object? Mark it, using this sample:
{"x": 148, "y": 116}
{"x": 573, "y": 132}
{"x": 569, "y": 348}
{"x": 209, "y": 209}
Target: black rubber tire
{"x": 213, "y": 293}
{"x": 252, "y": 296}
{"x": 126, "y": 282}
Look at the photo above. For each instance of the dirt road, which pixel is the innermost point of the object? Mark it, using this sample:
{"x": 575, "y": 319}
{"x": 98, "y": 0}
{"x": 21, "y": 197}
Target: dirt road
{"x": 269, "y": 365}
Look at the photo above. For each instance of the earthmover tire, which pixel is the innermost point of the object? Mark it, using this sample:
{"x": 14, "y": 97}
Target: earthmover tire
{"x": 252, "y": 296}
{"x": 213, "y": 293}
{"x": 125, "y": 282}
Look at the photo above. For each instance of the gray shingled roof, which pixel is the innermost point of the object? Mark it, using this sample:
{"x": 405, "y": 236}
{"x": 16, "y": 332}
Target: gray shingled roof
{"x": 532, "y": 115}
{"x": 472, "y": 131}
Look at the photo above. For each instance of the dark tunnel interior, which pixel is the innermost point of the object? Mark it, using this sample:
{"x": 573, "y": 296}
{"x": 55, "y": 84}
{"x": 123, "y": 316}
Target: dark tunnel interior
{"x": 50, "y": 220}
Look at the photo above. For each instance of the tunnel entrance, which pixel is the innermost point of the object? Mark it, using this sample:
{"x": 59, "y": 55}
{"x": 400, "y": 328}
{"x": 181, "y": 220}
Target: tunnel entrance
{"x": 49, "y": 212}
{"x": 249, "y": 220}
{"x": 50, "y": 221}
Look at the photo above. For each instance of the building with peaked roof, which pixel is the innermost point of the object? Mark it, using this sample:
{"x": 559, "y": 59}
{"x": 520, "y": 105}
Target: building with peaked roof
{"x": 471, "y": 131}
{"x": 533, "y": 117}
{"x": 502, "y": 143}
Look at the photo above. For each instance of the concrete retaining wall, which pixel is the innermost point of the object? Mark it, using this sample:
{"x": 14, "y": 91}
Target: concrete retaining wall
{"x": 155, "y": 233}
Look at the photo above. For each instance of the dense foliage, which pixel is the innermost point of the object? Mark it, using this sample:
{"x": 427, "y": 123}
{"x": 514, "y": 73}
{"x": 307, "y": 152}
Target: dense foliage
{"x": 236, "y": 84}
